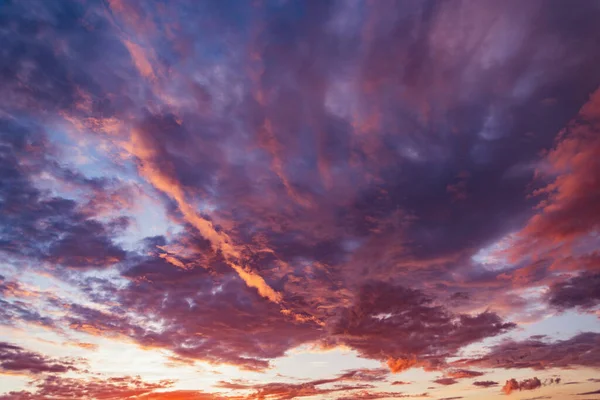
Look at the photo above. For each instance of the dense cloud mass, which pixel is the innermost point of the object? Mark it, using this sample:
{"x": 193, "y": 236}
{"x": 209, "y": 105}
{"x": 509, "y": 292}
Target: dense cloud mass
{"x": 228, "y": 185}
{"x": 16, "y": 359}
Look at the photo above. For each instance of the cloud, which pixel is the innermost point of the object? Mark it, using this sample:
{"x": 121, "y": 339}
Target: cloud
{"x": 277, "y": 390}
{"x": 218, "y": 326}
{"x": 568, "y": 212}
{"x": 84, "y": 345}
{"x": 385, "y": 319}
{"x": 367, "y": 395}
{"x": 462, "y": 373}
{"x": 580, "y": 291}
{"x": 485, "y": 383}
{"x": 15, "y": 359}
{"x": 39, "y": 225}
{"x": 446, "y": 381}
{"x": 560, "y": 235}
{"x": 319, "y": 173}
{"x": 281, "y": 391}
{"x": 156, "y": 170}
{"x": 16, "y": 306}
{"x": 587, "y": 393}
{"x": 580, "y": 350}
{"x": 182, "y": 394}
{"x": 527, "y": 384}
{"x": 53, "y": 386}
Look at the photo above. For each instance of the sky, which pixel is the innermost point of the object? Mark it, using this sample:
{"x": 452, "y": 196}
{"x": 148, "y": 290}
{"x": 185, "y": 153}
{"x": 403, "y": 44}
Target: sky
{"x": 279, "y": 199}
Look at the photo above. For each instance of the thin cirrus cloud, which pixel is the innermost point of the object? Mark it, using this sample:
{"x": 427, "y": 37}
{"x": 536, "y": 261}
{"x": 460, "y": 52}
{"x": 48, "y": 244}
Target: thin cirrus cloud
{"x": 381, "y": 194}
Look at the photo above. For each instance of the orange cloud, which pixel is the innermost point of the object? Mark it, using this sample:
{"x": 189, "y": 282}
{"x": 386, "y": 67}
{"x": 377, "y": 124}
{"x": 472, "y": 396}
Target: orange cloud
{"x": 397, "y": 365}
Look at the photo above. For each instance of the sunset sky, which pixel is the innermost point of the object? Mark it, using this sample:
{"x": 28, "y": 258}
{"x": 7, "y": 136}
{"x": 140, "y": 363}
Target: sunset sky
{"x": 278, "y": 199}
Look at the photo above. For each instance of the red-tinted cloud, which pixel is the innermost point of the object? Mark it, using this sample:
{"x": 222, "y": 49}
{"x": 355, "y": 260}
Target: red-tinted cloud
{"x": 560, "y": 236}
{"x": 569, "y": 210}
{"x": 527, "y": 384}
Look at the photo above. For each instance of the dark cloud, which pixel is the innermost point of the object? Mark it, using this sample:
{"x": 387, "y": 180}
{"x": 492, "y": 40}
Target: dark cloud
{"x": 386, "y": 319}
{"x": 581, "y": 291}
{"x": 580, "y": 350}
{"x": 44, "y": 78}
{"x": 446, "y": 381}
{"x": 39, "y": 225}
{"x": 202, "y": 319}
{"x": 485, "y": 383}
{"x": 15, "y": 359}
{"x": 586, "y": 393}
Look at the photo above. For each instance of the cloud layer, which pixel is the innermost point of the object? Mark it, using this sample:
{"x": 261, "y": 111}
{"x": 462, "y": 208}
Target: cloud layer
{"x": 226, "y": 182}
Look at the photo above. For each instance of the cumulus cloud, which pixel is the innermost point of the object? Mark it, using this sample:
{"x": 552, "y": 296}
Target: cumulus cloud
{"x": 528, "y": 384}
